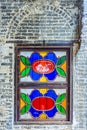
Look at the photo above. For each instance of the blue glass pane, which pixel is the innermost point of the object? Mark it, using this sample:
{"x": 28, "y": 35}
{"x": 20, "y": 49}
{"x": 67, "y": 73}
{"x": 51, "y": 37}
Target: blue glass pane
{"x": 51, "y": 76}
{"x": 51, "y": 113}
{"x": 51, "y": 56}
{"x": 52, "y": 94}
{"x": 34, "y": 112}
{"x": 34, "y": 75}
{"x": 35, "y": 56}
{"x": 34, "y": 94}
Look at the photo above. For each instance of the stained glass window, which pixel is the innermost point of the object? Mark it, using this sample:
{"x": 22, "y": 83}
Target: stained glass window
{"x": 43, "y": 84}
{"x": 42, "y": 103}
{"x": 42, "y": 66}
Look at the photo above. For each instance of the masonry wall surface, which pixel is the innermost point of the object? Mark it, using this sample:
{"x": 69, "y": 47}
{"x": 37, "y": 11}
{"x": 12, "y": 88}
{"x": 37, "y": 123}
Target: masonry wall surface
{"x": 33, "y": 22}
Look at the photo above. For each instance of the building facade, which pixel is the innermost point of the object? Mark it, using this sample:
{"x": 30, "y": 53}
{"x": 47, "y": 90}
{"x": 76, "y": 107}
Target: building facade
{"x": 38, "y": 22}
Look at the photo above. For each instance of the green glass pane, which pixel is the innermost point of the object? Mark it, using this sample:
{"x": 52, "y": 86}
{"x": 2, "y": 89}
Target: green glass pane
{"x": 25, "y": 60}
{"x": 61, "y": 109}
{"x": 25, "y": 72}
{"x": 61, "y": 60}
{"x": 61, "y": 98}
{"x": 61, "y": 72}
{"x": 25, "y": 98}
{"x": 25, "y": 109}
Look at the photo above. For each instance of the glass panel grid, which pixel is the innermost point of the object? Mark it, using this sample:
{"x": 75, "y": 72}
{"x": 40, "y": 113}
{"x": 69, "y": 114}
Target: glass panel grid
{"x": 42, "y": 84}
{"x": 43, "y": 104}
{"x": 43, "y": 66}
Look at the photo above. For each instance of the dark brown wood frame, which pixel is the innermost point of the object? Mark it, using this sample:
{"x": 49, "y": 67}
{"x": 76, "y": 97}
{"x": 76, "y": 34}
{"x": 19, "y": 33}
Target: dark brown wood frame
{"x": 68, "y": 85}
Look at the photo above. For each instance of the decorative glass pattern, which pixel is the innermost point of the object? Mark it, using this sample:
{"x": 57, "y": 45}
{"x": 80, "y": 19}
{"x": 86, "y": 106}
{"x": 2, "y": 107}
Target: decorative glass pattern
{"x": 43, "y": 103}
{"x": 43, "y": 66}
{"x": 43, "y": 84}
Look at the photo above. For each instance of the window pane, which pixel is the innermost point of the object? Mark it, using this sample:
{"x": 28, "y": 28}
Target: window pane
{"x": 43, "y": 66}
{"x": 43, "y": 84}
{"x": 43, "y": 104}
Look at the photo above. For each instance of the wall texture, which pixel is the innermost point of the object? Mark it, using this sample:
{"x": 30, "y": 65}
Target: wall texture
{"x": 25, "y": 21}
{"x": 39, "y": 20}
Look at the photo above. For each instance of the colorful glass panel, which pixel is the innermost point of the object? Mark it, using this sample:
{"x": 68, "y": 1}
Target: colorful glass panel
{"x": 43, "y": 84}
{"x": 43, "y": 103}
{"x": 43, "y": 66}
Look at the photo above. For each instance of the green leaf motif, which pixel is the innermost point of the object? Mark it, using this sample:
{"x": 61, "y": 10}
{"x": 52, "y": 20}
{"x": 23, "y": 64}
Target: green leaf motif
{"x": 61, "y": 72}
{"x": 61, "y": 60}
{"x": 25, "y": 109}
{"x": 61, "y": 98}
{"x": 61, "y": 109}
{"x": 25, "y": 72}
{"x": 25, "y": 98}
{"x": 25, "y": 60}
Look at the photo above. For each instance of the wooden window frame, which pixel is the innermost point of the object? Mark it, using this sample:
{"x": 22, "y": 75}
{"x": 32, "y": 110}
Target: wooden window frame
{"x": 68, "y": 86}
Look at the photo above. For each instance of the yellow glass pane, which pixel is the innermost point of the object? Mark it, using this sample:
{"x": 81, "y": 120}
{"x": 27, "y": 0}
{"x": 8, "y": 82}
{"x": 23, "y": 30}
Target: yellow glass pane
{"x": 63, "y": 66}
{"x": 43, "y": 116}
{"x": 43, "y": 53}
{"x": 64, "y": 103}
{"x": 43, "y": 79}
{"x": 22, "y": 104}
{"x": 22, "y": 66}
{"x": 43, "y": 91}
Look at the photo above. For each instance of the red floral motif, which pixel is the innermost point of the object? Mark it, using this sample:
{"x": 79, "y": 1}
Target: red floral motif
{"x": 43, "y": 66}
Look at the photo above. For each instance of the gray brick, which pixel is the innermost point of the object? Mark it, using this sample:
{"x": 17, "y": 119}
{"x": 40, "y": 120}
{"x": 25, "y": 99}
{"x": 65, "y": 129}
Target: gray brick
{"x": 42, "y": 20}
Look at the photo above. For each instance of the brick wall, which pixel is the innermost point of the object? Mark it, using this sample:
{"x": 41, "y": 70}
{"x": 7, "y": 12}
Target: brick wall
{"x": 39, "y": 20}
{"x": 24, "y": 21}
